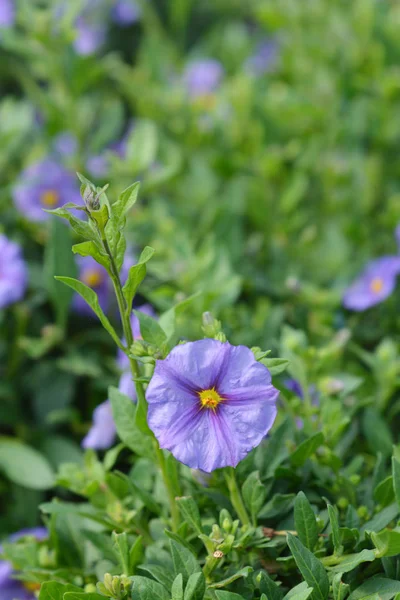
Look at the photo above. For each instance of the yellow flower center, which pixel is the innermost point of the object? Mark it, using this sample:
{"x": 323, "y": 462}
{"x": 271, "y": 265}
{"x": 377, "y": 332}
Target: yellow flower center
{"x": 92, "y": 277}
{"x": 376, "y": 285}
{"x": 210, "y": 398}
{"x": 31, "y": 587}
{"x": 50, "y": 198}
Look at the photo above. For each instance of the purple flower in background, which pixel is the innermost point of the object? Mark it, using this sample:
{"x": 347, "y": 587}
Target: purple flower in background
{"x": 295, "y": 387}
{"x": 45, "y": 185}
{"x": 210, "y": 403}
{"x": 89, "y": 36}
{"x": 264, "y": 57}
{"x": 12, "y": 589}
{"x": 13, "y": 272}
{"x": 103, "y": 432}
{"x": 374, "y": 285}
{"x": 65, "y": 144}
{"x": 95, "y": 276}
{"x": 7, "y": 13}
{"x": 97, "y": 165}
{"x": 202, "y": 77}
{"x": 125, "y": 12}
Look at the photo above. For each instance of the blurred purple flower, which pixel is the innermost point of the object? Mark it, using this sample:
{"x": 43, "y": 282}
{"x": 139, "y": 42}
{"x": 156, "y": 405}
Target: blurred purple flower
{"x": 95, "y": 276}
{"x": 374, "y": 285}
{"x": 7, "y": 13}
{"x": 210, "y": 403}
{"x": 125, "y": 12}
{"x": 12, "y": 589}
{"x": 295, "y": 387}
{"x": 89, "y": 36}
{"x": 45, "y": 185}
{"x": 13, "y": 272}
{"x": 97, "y": 165}
{"x": 65, "y": 144}
{"x": 397, "y": 236}
{"x": 202, "y": 77}
{"x": 102, "y": 433}
{"x": 264, "y": 57}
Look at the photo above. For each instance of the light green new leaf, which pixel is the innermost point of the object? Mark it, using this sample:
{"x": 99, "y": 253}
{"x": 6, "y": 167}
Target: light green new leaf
{"x": 82, "y": 228}
{"x": 82, "y": 596}
{"x": 53, "y": 590}
{"x": 299, "y": 592}
{"x": 147, "y": 589}
{"x": 90, "y": 249}
{"x": 125, "y": 201}
{"x": 335, "y": 530}
{"x": 136, "y": 275}
{"x": 25, "y": 465}
{"x": 351, "y": 561}
{"x": 224, "y": 595}
{"x": 305, "y": 521}
{"x": 387, "y": 543}
{"x": 91, "y": 298}
{"x": 310, "y": 567}
{"x": 150, "y": 329}
{"x": 385, "y": 588}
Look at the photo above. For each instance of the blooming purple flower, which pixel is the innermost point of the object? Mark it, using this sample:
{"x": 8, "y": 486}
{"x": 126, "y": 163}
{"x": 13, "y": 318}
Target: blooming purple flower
{"x": 210, "y": 403}
{"x": 374, "y": 285}
{"x": 103, "y": 432}
{"x": 12, "y": 589}
{"x": 7, "y": 13}
{"x": 45, "y": 185}
{"x": 13, "y": 272}
{"x": 202, "y": 77}
{"x": 264, "y": 57}
{"x": 125, "y": 12}
{"x": 95, "y": 276}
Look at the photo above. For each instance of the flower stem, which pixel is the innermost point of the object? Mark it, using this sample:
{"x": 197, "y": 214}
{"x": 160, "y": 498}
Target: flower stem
{"x": 142, "y": 402}
{"x": 236, "y": 496}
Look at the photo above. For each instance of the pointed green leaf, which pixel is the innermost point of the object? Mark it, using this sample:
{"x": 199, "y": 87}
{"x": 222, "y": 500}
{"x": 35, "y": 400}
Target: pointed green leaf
{"x": 299, "y": 592}
{"x": 52, "y": 590}
{"x": 190, "y": 512}
{"x": 306, "y": 449}
{"x": 82, "y": 228}
{"x": 310, "y": 567}
{"x": 254, "y": 493}
{"x": 125, "y": 201}
{"x": 183, "y": 560}
{"x": 305, "y": 521}
{"x": 177, "y": 588}
{"x": 195, "y": 587}
{"x": 340, "y": 589}
{"x": 136, "y": 275}
{"x": 91, "y": 298}
{"x": 275, "y": 365}
{"x": 396, "y": 478}
{"x": 91, "y": 249}
{"x": 124, "y": 414}
{"x": 147, "y": 589}
{"x": 387, "y": 542}
{"x": 160, "y": 574}
{"x": 82, "y": 596}
{"x": 269, "y": 587}
{"x": 24, "y": 465}
{"x": 224, "y": 595}
{"x": 150, "y": 329}
{"x": 244, "y": 572}
{"x": 351, "y": 561}
{"x": 335, "y": 530}
{"x": 385, "y": 588}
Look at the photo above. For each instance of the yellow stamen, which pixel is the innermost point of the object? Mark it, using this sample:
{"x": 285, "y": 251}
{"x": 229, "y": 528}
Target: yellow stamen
{"x": 49, "y": 198}
{"x": 32, "y": 587}
{"x": 92, "y": 277}
{"x": 376, "y": 285}
{"x": 210, "y": 398}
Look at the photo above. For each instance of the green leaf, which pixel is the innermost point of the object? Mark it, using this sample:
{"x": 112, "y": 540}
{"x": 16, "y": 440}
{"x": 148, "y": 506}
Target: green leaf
{"x": 351, "y": 561}
{"x": 280, "y": 504}
{"x": 136, "y": 275}
{"x": 300, "y": 592}
{"x": 124, "y": 415}
{"x": 90, "y": 249}
{"x": 224, "y": 595}
{"x": 310, "y": 567}
{"x": 275, "y": 365}
{"x": 305, "y": 521}
{"x": 380, "y": 520}
{"x": 271, "y": 454}
{"x": 340, "y": 589}
{"x": 147, "y": 589}
{"x": 142, "y": 145}
{"x": 335, "y": 530}
{"x": 396, "y": 478}
{"x": 125, "y": 201}
{"x": 195, "y": 587}
{"x": 58, "y": 259}
{"x": 135, "y": 554}
{"x": 177, "y": 588}
{"x": 384, "y": 492}
{"x": 160, "y": 574}
{"x": 306, "y": 449}
{"x": 82, "y": 596}
{"x": 91, "y": 298}
{"x": 245, "y": 572}
{"x": 82, "y": 228}
{"x": 387, "y": 542}
{"x": 183, "y": 560}
{"x": 377, "y": 432}
{"x": 386, "y": 588}
{"x": 52, "y": 590}
{"x": 121, "y": 549}
{"x": 269, "y": 587}
{"x": 190, "y": 512}
{"x": 150, "y": 329}
{"x": 254, "y": 493}
{"x": 141, "y": 493}
{"x": 25, "y": 465}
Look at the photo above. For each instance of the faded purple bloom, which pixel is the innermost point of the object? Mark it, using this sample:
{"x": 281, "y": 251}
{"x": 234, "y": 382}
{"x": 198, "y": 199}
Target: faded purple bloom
{"x": 210, "y": 403}
{"x": 125, "y": 12}
{"x": 12, "y": 589}
{"x": 374, "y": 285}
{"x": 7, "y": 13}
{"x": 65, "y": 144}
{"x": 13, "y": 272}
{"x": 45, "y": 185}
{"x": 264, "y": 57}
{"x": 95, "y": 276}
{"x": 98, "y": 165}
{"x": 89, "y": 36}
{"x": 202, "y": 77}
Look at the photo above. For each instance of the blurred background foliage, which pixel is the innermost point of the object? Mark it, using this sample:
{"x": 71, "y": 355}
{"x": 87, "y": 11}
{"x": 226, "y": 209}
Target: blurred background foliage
{"x": 265, "y": 187}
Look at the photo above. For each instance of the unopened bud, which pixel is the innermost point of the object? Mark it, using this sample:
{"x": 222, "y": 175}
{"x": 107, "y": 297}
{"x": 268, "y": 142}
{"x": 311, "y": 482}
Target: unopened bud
{"x": 221, "y": 337}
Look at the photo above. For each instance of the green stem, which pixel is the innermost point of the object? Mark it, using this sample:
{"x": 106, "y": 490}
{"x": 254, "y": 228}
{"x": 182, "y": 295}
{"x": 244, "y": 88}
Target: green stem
{"x": 124, "y": 310}
{"x": 236, "y": 496}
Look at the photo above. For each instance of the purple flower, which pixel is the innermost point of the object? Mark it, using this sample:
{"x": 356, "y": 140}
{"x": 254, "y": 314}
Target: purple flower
{"x": 89, "y": 36}
{"x": 264, "y": 57}
{"x": 11, "y": 589}
{"x": 210, "y": 403}
{"x": 7, "y": 14}
{"x": 95, "y": 276}
{"x": 13, "y": 272}
{"x": 203, "y": 77}
{"x": 98, "y": 165}
{"x": 295, "y": 387}
{"x": 125, "y": 12}
{"x": 374, "y": 285}
{"x": 45, "y": 185}
{"x": 65, "y": 144}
